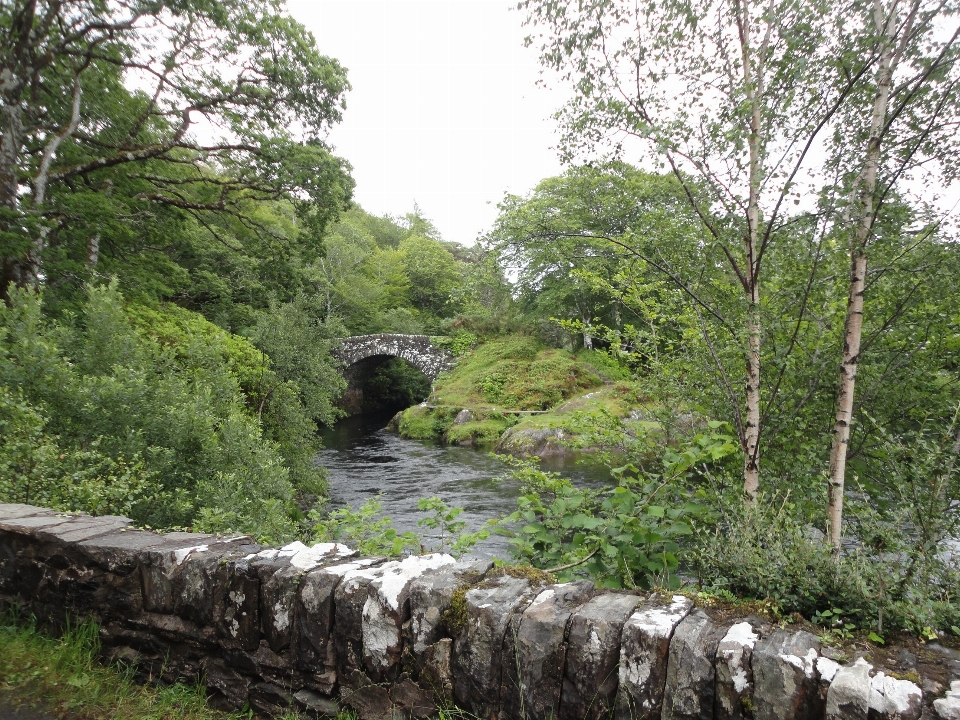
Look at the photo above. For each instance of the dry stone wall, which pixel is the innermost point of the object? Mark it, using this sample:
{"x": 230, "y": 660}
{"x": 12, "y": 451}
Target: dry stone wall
{"x": 318, "y": 628}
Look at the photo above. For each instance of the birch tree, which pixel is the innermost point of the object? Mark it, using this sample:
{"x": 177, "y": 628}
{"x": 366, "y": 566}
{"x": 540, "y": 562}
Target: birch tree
{"x": 731, "y": 98}
{"x": 897, "y": 135}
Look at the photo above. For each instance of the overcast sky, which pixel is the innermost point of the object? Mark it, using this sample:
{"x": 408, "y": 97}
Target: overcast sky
{"x": 444, "y": 111}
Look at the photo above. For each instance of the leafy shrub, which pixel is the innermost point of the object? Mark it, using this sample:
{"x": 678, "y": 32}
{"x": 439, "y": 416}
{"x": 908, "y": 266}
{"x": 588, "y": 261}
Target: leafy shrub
{"x": 605, "y": 364}
{"x": 366, "y": 530}
{"x": 105, "y": 418}
{"x": 443, "y": 520}
{"x": 887, "y": 578}
{"x": 623, "y": 537}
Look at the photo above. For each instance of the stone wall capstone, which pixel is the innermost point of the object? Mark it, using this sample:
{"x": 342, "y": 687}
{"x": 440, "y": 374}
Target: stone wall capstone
{"x": 319, "y": 628}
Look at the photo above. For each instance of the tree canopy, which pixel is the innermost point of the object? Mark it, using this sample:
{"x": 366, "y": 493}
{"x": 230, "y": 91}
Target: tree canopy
{"x": 119, "y": 118}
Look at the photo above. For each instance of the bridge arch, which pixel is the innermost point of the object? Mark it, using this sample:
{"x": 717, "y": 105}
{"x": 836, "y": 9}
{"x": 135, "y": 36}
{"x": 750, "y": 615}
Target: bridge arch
{"x": 418, "y": 350}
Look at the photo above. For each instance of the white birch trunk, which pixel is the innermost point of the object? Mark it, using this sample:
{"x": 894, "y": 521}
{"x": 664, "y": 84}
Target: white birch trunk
{"x": 853, "y": 323}
{"x": 752, "y": 75}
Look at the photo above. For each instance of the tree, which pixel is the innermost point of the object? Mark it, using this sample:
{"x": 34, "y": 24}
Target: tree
{"x": 751, "y": 108}
{"x": 574, "y": 242}
{"x": 204, "y": 107}
{"x": 902, "y": 127}
{"x": 730, "y": 98}
{"x": 434, "y": 274}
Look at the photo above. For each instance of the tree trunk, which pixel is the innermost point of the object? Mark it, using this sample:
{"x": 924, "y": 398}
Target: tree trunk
{"x": 853, "y": 322}
{"x": 14, "y": 270}
{"x": 20, "y": 270}
{"x": 93, "y": 252}
{"x": 752, "y": 76}
{"x": 751, "y": 463}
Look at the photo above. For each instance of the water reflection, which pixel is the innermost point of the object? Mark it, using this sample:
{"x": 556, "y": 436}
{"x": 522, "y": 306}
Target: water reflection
{"x": 363, "y": 460}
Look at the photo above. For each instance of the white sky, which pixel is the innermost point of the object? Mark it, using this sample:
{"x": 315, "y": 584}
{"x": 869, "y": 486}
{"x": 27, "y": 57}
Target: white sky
{"x": 444, "y": 109}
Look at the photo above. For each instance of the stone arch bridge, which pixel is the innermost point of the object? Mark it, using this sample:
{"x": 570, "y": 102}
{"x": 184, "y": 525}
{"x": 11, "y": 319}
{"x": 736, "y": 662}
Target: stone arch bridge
{"x": 418, "y": 350}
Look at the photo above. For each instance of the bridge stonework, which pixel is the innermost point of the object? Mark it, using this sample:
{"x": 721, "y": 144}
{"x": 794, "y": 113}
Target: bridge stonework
{"x": 318, "y": 628}
{"x": 418, "y": 350}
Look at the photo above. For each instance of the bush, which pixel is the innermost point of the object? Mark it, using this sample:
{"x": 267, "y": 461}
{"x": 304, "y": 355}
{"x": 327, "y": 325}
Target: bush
{"x": 887, "y": 578}
{"x": 105, "y": 418}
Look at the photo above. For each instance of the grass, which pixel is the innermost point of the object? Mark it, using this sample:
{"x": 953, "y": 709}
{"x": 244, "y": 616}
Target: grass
{"x": 62, "y": 678}
{"x": 514, "y": 373}
{"x": 508, "y": 374}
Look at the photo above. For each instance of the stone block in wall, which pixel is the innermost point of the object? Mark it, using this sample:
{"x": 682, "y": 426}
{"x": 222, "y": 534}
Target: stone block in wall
{"x": 590, "y": 675}
{"x": 239, "y": 622}
{"x": 644, "y": 655}
{"x": 65, "y": 564}
{"x": 786, "y": 681}
{"x": 734, "y": 683}
{"x": 277, "y": 668}
{"x": 316, "y": 705}
{"x": 387, "y": 608}
{"x": 690, "y": 690}
{"x": 349, "y": 598}
{"x": 118, "y": 551}
{"x": 436, "y": 672}
{"x": 226, "y": 688}
{"x": 269, "y": 698}
{"x": 430, "y": 597}
{"x": 478, "y": 647}
{"x": 858, "y": 693}
{"x": 314, "y": 617}
{"x": 281, "y": 572}
{"x": 185, "y": 574}
{"x": 534, "y": 653}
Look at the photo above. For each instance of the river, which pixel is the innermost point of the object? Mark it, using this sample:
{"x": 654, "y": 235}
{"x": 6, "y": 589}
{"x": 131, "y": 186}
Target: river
{"x": 363, "y": 460}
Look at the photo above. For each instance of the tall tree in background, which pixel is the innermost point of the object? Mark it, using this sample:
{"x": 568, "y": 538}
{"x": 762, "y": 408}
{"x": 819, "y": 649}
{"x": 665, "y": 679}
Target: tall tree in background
{"x": 576, "y": 238}
{"x": 900, "y": 126}
{"x": 206, "y": 106}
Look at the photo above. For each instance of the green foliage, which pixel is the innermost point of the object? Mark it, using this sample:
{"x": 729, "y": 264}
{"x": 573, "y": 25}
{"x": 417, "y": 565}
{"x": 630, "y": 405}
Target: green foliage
{"x": 36, "y": 470}
{"x": 365, "y": 530}
{"x": 770, "y": 551}
{"x": 421, "y": 423}
{"x": 484, "y": 430}
{"x": 299, "y": 388}
{"x": 606, "y": 364}
{"x": 444, "y": 520}
{"x": 128, "y": 177}
{"x": 433, "y": 272}
{"x": 460, "y": 343}
{"x": 514, "y": 372}
{"x": 628, "y": 536}
{"x": 106, "y": 418}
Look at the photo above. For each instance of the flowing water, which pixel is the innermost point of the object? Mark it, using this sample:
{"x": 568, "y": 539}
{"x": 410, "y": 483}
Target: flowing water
{"x": 363, "y": 460}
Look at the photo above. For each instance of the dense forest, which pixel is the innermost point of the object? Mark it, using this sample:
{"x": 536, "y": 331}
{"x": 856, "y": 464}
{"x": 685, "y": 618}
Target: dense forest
{"x": 770, "y": 311}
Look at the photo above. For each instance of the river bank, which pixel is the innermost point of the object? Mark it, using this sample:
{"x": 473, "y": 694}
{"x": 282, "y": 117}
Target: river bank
{"x": 515, "y": 396}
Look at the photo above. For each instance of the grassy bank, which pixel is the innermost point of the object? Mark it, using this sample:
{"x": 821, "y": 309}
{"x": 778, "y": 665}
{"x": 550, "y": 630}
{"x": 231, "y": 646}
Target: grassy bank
{"x": 516, "y": 389}
{"x": 62, "y": 678}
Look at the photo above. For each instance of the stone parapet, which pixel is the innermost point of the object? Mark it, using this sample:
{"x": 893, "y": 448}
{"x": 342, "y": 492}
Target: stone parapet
{"x": 318, "y": 628}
